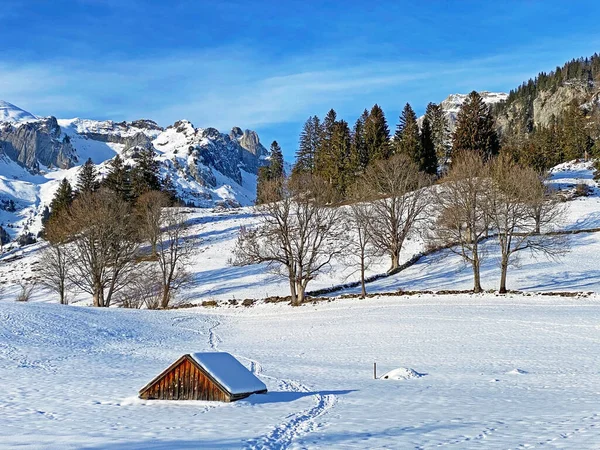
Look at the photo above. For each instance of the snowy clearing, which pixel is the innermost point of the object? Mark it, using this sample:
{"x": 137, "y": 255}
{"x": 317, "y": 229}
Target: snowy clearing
{"x": 502, "y": 372}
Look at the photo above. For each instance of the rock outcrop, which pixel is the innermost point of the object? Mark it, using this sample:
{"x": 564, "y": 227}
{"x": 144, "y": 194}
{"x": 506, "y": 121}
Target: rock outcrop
{"x": 36, "y": 143}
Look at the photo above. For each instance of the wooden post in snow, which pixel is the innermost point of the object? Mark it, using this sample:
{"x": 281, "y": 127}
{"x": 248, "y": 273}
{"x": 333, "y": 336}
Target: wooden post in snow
{"x": 374, "y": 371}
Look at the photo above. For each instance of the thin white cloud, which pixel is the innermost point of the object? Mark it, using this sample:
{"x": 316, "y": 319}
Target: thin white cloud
{"x": 238, "y": 86}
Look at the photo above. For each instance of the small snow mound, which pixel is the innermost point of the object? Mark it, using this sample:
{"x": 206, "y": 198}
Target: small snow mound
{"x": 402, "y": 373}
{"x": 517, "y": 372}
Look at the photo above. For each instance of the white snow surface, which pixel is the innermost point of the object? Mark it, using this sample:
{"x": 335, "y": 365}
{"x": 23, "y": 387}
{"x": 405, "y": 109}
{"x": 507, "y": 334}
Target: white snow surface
{"x": 71, "y": 375}
{"x": 14, "y": 114}
{"x": 503, "y": 371}
{"x": 229, "y": 372}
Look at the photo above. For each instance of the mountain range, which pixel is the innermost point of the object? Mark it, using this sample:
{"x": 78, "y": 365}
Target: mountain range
{"x": 208, "y": 168}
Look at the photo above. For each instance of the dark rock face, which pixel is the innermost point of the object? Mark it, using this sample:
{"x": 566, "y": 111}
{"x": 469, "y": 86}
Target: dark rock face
{"x": 251, "y": 150}
{"x": 34, "y": 143}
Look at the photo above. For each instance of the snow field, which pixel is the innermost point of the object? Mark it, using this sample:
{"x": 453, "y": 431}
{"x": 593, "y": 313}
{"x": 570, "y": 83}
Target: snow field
{"x": 74, "y": 375}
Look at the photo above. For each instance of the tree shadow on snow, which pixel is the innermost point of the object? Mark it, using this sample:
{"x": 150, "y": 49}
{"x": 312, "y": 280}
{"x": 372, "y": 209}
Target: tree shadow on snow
{"x": 287, "y": 396}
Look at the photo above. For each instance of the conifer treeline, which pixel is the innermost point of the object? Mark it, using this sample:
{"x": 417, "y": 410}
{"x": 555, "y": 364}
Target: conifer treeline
{"x": 128, "y": 182}
{"x": 338, "y": 154}
{"x": 333, "y": 151}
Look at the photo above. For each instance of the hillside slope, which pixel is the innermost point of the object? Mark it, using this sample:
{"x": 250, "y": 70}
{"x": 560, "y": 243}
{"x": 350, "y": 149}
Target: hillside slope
{"x": 214, "y": 278}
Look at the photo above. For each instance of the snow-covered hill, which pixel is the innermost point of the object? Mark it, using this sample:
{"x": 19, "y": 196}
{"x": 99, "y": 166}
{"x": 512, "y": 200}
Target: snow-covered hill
{"x": 208, "y": 168}
{"x": 214, "y": 278}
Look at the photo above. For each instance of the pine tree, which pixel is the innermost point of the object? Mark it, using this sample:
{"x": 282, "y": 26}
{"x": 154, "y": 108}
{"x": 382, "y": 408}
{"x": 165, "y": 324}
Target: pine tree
{"x": 145, "y": 173}
{"x": 63, "y": 197}
{"x": 440, "y": 133}
{"x": 429, "y": 161}
{"x": 406, "y": 138}
{"x": 86, "y": 178}
{"x": 309, "y": 142}
{"x": 475, "y": 129}
{"x": 118, "y": 178}
{"x": 377, "y": 135}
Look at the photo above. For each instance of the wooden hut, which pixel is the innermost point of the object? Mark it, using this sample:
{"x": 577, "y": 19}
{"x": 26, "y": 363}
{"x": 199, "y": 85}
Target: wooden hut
{"x": 213, "y": 376}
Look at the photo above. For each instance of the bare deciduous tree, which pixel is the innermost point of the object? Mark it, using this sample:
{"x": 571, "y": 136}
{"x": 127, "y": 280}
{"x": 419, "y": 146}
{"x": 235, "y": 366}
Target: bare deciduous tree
{"x": 398, "y": 203}
{"x": 513, "y": 191}
{"x": 298, "y": 233}
{"x": 544, "y": 205}
{"x": 173, "y": 249}
{"x": 102, "y": 246}
{"x": 462, "y": 203}
{"x": 148, "y": 212}
{"x": 27, "y": 287}
{"x": 142, "y": 289}
{"x": 53, "y": 262}
{"x": 359, "y": 242}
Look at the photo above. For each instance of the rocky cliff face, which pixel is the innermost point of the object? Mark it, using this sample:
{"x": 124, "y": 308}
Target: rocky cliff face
{"x": 540, "y": 109}
{"x": 194, "y": 152}
{"x": 36, "y": 143}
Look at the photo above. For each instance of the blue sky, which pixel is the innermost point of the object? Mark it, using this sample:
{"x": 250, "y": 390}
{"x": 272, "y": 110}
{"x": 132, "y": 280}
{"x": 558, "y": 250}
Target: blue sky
{"x": 268, "y": 65}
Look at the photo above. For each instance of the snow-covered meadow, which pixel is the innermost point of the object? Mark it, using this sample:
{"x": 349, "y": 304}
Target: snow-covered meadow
{"x": 498, "y": 372}
{"x": 501, "y": 372}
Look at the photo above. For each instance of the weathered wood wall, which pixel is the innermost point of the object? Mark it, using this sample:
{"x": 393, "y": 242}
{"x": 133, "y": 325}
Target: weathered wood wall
{"x": 185, "y": 381}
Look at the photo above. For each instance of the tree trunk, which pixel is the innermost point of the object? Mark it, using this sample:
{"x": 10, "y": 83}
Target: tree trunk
{"x": 395, "y": 262}
{"x": 300, "y": 293}
{"x": 503, "y": 269}
{"x": 476, "y": 276}
{"x": 166, "y": 296}
{"x": 98, "y": 301}
{"x": 363, "y": 289}
{"x": 293, "y": 291}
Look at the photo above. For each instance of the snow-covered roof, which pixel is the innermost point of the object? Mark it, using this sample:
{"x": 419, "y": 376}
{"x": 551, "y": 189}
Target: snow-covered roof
{"x": 229, "y": 372}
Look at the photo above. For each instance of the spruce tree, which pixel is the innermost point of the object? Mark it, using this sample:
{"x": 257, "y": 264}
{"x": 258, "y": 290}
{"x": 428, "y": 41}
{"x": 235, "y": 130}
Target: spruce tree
{"x": 324, "y": 155}
{"x": 168, "y": 187}
{"x": 440, "y": 133}
{"x": 359, "y": 159}
{"x": 340, "y": 172}
{"x": 145, "y": 173}
{"x": 429, "y": 161}
{"x": 63, "y": 197}
{"x": 276, "y": 169}
{"x": 86, "y": 178}
{"x": 575, "y": 140}
{"x": 272, "y": 172}
{"x": 309, "y": 142}
{"x": 475, "y": 129}
{"x": 377, "y": 135}
{"x": 118, "y": 178}
{"x": 406, "y": 138}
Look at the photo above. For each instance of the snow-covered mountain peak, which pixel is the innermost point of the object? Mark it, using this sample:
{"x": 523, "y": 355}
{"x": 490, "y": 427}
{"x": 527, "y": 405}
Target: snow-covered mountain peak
{"x": 12, "y": 113}
{"x": 453, "y": 102}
